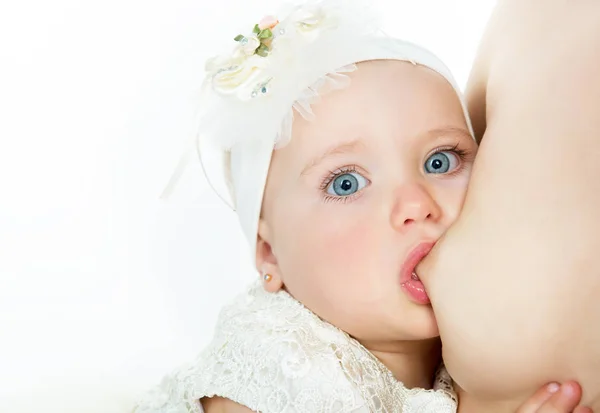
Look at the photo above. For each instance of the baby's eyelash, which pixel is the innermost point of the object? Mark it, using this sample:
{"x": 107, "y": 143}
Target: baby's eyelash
{"x": 463, "y": 154}
{"x": 339, "y": 199}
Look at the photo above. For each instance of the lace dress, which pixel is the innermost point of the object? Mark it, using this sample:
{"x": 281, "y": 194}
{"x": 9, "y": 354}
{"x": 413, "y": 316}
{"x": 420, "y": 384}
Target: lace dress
{"x": 273, "y": 355}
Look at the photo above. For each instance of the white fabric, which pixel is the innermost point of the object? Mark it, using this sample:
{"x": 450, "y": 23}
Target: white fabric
{"x": 273, "y": 355}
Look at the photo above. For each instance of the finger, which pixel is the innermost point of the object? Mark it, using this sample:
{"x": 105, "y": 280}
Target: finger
{"x": 538, "y": 399}
{"x": 563, "y": 401}
{"x": 583, "y": 410}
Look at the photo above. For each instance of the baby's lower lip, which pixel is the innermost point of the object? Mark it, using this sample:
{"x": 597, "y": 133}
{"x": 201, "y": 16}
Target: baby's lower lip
{"x": 415, "y": 290}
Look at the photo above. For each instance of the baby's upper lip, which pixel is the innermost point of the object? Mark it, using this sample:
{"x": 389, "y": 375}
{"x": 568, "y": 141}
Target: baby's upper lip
{"x": 413, "y": 258}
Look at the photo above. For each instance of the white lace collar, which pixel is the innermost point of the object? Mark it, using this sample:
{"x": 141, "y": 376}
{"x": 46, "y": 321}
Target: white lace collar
{"x": 273, "y": 355}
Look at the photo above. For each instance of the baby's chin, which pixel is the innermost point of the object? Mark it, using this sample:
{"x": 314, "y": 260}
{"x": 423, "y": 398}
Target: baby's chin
{"x": 417, "y": 324}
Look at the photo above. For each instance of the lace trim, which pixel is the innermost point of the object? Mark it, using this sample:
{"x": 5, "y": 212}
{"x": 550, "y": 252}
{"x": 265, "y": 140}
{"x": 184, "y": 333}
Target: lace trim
{"x": 273, "y": 355}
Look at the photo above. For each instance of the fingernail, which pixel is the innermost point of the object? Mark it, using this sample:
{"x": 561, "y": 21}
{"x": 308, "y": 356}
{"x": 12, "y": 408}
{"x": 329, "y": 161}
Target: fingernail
{"x": 569, "y": 389}
{"x": 553, "y": 387}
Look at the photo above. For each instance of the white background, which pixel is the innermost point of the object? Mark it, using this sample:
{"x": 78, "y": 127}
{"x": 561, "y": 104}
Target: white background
{"x": 104, "y": 287}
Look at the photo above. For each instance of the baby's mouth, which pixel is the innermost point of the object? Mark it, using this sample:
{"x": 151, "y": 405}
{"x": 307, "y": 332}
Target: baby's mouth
{"x": 409, "y": 278}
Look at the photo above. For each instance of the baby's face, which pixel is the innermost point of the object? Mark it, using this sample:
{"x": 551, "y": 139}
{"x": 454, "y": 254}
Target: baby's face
{"x": 360, "y": 193}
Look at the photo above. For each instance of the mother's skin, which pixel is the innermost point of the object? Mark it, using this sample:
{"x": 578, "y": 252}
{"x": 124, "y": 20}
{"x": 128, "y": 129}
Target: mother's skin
{"x": 515, "y": 283}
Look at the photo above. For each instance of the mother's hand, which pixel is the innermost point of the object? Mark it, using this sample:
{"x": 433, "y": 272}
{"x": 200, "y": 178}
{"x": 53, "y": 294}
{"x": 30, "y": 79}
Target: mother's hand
{"x": 555, "y": 398}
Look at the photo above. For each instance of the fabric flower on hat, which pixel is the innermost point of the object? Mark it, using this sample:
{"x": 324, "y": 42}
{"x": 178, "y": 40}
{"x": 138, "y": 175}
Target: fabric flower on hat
{"x": 242, "y": 72}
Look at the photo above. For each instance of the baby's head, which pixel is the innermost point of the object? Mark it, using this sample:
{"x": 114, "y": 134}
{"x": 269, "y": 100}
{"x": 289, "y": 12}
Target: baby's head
{"x": 347, "y": 157}
{"x": 360, "y": 193}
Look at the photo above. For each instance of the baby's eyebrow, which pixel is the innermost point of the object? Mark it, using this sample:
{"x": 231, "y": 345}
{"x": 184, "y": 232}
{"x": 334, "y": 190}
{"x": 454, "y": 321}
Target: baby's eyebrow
{"x": 340, "y": 149}
{"x": 447, "y": 130}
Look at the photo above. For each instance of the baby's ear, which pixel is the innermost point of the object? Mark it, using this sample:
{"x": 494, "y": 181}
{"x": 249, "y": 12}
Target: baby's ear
{"x": 266, "y": 261}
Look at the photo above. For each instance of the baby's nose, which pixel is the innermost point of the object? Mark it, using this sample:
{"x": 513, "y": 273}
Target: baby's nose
{"x": 414, "y": 204}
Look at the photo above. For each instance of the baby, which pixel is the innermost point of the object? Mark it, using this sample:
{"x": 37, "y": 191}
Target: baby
{"x": 346, "y": 155}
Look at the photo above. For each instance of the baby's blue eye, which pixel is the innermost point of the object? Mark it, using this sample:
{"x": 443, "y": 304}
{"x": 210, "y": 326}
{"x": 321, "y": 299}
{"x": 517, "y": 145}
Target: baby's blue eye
{"x": 346, "y": 184}
{"x": 441, "y": 163}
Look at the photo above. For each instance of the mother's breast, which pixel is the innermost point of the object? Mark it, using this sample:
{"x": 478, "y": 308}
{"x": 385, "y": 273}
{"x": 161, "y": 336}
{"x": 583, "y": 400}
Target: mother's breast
{"x": 514, "y": 283}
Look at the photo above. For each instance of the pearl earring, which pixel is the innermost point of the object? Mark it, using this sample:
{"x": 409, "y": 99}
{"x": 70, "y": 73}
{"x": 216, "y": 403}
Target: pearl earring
{"x": 267, "y": 277}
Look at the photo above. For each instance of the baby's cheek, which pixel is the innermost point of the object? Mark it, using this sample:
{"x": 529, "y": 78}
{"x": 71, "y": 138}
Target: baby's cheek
{"x": 341, "y": 268}
{"x": 333, "y": 247}
{"x": 450, "y": 195}
{"x": 347, "y": 242}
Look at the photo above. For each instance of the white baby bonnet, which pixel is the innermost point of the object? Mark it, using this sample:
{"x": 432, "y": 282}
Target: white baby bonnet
{"x": 282, "y": 66}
